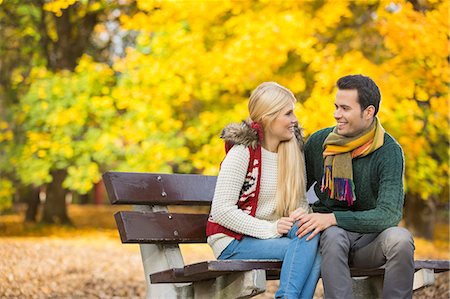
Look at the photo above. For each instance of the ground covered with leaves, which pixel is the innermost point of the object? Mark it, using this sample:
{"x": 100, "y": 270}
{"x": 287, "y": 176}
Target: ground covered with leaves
{"x": 88, "y": 260}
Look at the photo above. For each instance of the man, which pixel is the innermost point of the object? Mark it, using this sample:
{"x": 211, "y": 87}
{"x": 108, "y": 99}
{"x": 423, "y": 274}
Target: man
{"x": 358, "y": 171}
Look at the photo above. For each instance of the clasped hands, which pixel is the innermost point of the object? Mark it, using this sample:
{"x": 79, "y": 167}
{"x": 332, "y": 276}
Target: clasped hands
{"x": 314, "y": 222}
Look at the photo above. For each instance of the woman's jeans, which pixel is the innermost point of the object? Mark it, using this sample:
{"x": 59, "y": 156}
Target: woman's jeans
{"x": 301, "y": 260}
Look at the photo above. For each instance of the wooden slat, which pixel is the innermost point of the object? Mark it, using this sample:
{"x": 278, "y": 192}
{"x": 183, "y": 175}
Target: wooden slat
{"x": 159, "y": 189}
{"x": 212, "y": 269}
{"x": 161, "y": 227}
{"x": 437, "y": 265}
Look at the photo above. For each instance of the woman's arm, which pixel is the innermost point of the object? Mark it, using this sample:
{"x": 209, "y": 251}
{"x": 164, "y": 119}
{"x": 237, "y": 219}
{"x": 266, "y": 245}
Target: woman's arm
{"x": 224, "y": 209}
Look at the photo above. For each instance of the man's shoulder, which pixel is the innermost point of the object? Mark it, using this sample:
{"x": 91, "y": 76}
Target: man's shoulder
{"x": 390, "y": 142}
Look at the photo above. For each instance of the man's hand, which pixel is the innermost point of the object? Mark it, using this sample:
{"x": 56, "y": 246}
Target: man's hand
{"x": 284, "y": 225}
{"x": 297, "y": 213}
{"x": 315, "y": 223}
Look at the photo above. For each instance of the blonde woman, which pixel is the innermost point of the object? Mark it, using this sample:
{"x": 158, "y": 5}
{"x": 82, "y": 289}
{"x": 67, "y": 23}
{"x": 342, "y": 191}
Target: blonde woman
{"x": 260, "y": 193}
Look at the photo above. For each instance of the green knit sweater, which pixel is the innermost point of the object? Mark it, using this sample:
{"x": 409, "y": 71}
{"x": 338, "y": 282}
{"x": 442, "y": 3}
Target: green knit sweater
{"x": 378, "y": 179}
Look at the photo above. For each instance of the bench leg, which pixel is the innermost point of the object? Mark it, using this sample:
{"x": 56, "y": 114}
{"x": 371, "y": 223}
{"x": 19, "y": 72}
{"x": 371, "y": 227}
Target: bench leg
{"x": 422, "y": 278}
{"x": 372, "y": 287}
{"x": 239, "y": 285}
{"x": 157, "y": 258}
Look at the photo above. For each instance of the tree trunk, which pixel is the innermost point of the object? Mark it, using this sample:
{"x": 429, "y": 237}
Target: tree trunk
{"x": 32, "y": 199}
{"x": 55, "y": 210}
{"x": 82, "y": 199}
{"x": 420, "y": 216}
{"x": 99, "y": 193}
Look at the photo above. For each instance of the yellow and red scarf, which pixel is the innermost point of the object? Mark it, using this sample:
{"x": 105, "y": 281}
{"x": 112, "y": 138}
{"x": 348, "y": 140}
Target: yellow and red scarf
{"x": 338, "y": 154}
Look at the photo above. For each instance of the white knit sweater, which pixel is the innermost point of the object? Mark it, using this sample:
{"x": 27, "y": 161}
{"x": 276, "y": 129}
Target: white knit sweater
{"x": 224, "y": 208}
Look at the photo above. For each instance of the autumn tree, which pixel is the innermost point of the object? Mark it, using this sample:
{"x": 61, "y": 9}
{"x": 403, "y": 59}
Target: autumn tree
{"x": 187, "y": 70}
{"x": 38, "y": 34}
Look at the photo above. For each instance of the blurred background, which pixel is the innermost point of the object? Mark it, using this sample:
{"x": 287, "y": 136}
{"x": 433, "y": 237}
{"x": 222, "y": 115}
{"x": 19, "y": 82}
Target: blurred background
{"x": 91, "y": 86}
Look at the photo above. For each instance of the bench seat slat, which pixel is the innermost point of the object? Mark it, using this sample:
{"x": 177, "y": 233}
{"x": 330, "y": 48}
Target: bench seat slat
{"x": 438, "y": 265}
{"x": 215, "y": 268}
{"x": 212, "y": 269}
{"x": 159, "y": 189}
{"x": 161, "y": 227}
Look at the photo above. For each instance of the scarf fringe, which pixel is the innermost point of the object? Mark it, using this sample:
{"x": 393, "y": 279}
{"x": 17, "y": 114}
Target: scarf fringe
{"x": 341, "y": 189}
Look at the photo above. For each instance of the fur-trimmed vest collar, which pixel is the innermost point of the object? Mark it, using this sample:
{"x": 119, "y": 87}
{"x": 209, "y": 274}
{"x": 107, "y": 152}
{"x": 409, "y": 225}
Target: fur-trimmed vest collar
{"x": 244, "y": 134}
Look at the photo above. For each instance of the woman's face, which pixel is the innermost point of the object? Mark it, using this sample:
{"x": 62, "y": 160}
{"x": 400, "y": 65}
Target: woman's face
{"x": 282, "y": 128}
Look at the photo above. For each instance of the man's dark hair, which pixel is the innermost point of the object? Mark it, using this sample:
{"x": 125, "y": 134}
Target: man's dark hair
{"x": 368, "y": 92}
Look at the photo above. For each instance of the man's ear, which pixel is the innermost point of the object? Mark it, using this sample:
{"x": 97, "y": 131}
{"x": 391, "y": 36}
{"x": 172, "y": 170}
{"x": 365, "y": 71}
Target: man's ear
{"x": 369, "y": 111}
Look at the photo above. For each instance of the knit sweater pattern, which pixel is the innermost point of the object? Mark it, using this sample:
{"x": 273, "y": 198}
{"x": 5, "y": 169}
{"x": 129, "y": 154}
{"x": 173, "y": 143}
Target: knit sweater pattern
{"x": 228, "y": 187}
{"x": 378, "y": 179}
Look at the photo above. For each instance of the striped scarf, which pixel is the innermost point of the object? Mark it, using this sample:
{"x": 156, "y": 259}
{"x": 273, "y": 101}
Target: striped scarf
{"x": 338, "y": 154}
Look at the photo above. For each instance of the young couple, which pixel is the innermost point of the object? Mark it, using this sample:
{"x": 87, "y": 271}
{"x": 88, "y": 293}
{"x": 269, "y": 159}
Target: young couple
{"x": 260, "y": 209}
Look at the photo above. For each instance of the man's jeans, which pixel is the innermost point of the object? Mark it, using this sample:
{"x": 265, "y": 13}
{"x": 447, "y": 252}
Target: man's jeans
{"x": 301, "y": 260}
{"x": 394, "y": 248}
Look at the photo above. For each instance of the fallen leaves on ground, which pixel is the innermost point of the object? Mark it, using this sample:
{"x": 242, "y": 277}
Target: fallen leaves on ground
{"x": 89, "y": 261}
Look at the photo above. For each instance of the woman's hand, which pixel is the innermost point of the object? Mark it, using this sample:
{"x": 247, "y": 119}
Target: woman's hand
{"x": 296, "y": 214}
{"x": 284, "y": 225}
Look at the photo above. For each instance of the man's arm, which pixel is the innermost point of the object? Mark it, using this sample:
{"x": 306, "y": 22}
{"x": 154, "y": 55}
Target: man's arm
{"x": 390, "y": 197}
{"x": 389, "y": 205}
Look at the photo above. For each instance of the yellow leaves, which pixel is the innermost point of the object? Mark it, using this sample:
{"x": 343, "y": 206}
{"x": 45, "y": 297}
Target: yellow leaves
{"x": 102, "y": 102}
{"x": 418, "y": 39}
{"x": 81, "y": 177}
{"x": 6, "y": 134}
{"x": 424, "y": 249}
{"x": 43, "y": 145}
{"x": 56, "y": 6}
{"x": 42, "y": 94}
{"x": 57, "y": 90}
{"x": 331, "y": 13}
{"x": 137, "y": 22}
{"x": 295, "y": 82}
{"x": 62, "y": 117}
{"x": 41, "y": 140}
{"x": 6, "y": 193}
{"x": 424, "y": 170}
{"x": 16, "y": 77}
{"x": 190, "y": 71}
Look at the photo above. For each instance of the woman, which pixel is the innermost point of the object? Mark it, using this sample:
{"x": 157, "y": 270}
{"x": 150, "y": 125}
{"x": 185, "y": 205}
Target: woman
{"x": 260, "y": 193}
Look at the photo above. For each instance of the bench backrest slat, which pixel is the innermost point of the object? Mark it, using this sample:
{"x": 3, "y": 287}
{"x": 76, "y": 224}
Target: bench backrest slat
{"x": 161, "y": 227}
{"x": 159, "y": 189}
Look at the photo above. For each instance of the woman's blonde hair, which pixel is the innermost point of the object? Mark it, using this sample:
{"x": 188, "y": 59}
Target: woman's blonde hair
{"x": 265, "y": 104}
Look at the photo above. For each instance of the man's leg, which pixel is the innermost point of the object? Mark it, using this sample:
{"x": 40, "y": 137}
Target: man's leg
{"x": 334, "y": 247}
{"x": 395, "y": 248}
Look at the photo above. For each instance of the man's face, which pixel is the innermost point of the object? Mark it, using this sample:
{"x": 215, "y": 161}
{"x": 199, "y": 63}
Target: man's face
{"x": 350, "y": 119}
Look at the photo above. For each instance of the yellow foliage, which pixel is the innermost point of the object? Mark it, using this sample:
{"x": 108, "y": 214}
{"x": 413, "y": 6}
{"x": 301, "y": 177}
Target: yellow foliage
{"x": 56, "y": 6}
{"x": 189, "y": 72}
{"x": 6, "y": 192}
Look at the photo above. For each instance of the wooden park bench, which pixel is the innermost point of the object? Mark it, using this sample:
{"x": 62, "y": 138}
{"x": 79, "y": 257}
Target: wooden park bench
{"x": 158, "y": 232}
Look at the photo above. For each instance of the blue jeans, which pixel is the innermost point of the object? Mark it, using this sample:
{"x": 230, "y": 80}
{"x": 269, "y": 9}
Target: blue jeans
{"x": 301, "y": 260}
